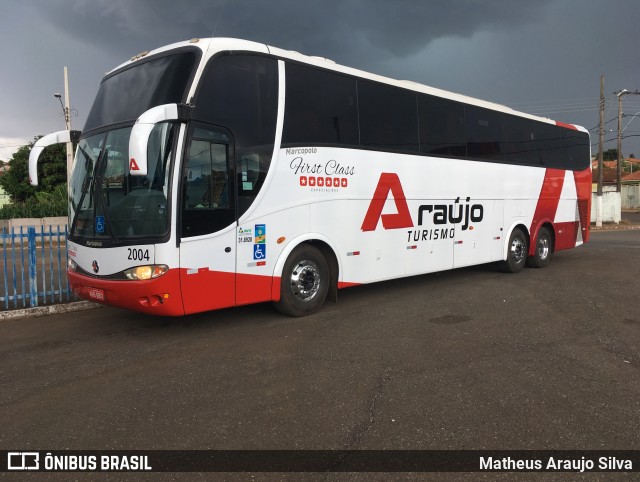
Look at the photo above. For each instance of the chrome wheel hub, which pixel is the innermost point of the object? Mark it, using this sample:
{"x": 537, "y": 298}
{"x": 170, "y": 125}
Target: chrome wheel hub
{"x": 305, "y": 280}
{"x": 518, "y": 250}
{"x": 543, "y": 248}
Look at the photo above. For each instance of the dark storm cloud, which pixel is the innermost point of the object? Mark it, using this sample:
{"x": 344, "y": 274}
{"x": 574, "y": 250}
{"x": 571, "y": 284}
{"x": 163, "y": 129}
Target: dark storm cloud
{"x": 336, "y": 28}
{"x": 517, "y": 52}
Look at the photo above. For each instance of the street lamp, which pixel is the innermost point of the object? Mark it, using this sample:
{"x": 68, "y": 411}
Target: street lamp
{"x": 65, "y": 111}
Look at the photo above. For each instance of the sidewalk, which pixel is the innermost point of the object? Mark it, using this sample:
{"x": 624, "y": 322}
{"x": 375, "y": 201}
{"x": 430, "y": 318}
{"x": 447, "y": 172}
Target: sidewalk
{"x": 630, "y": 220}
{"x": 47, "y": 310}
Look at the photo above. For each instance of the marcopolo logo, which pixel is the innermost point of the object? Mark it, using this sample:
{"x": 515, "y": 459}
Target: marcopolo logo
{"x": 459, "y": 213}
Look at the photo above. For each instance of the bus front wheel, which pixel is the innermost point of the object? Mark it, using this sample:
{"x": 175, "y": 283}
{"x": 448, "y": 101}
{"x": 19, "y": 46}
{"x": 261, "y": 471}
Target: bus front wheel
{"x": 516, "y": 252}
{"x": 305, "y": 282}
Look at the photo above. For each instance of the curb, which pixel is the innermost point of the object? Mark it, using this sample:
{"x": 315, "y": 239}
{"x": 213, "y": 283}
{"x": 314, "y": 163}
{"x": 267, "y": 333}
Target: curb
{"x": 48, "y": 310}
{"x": 615, "y": 227}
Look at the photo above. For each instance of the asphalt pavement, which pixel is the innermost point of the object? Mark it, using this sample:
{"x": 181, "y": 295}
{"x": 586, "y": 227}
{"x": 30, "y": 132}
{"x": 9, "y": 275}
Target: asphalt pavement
{"x": 466, "y": 359}
{"x": 631, "y": 217}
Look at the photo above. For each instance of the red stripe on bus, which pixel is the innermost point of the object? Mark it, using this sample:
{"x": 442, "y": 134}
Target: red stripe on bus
{"x": 547, "y": 203}
{"x": 583, "y": 189}
{"x": 566, "y": 126}
{"x": 346, "y": 284}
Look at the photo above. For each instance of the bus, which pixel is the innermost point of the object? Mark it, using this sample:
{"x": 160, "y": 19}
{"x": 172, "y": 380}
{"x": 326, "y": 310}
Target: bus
{"x": 220, "y": 172}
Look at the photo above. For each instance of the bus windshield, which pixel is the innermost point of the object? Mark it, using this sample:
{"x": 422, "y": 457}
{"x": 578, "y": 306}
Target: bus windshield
{"x": 107, "y": 203}
{"x": 125, "y": 95}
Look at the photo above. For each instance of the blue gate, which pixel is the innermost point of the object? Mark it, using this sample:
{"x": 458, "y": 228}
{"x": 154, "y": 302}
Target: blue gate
{"x": 34, "y": 267}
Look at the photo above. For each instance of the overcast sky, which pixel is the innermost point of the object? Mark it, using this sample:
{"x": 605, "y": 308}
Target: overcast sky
{"x": 540, "y": 56}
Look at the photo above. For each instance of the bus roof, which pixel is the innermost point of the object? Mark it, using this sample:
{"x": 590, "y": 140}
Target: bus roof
{"x": 211, "y": 46}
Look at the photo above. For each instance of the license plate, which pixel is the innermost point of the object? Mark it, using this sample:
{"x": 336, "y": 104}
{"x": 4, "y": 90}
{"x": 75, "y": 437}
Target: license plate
{"x": 96, "y": 294}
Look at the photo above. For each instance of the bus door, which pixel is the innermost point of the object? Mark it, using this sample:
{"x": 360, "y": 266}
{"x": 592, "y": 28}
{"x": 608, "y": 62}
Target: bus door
{"x": 208, "y": 221}
{"x": 498, "y": 231}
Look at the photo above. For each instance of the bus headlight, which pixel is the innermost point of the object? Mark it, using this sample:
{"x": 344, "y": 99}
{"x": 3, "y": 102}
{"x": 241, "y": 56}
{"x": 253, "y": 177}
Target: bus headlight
{"x": 146, "y": 272}
{"x": 72, "y": 265}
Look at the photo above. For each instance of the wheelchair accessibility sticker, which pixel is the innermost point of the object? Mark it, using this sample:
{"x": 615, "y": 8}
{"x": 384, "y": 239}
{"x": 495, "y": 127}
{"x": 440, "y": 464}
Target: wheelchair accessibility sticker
{"x": 259, "y": 251}
{"x": 99, "y": 224}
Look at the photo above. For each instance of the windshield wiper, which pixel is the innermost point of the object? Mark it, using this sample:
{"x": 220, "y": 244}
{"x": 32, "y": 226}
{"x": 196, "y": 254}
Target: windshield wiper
{"x": 86, "y": 186}
{"x": 98, "y": 178}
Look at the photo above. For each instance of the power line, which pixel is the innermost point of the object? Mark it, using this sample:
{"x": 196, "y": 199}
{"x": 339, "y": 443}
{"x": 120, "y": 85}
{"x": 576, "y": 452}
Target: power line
{"x": 561, "y": 101}
{"x": 604, "y": 124}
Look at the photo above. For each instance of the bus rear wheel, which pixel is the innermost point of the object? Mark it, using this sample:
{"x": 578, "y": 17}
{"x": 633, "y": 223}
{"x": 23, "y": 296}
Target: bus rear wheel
{"x": 305, "y": 282}
{"x": 516, "y": 252}
{"x": 544, "y": 250}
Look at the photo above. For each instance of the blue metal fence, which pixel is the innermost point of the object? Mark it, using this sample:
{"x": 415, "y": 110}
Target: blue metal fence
{"x": 34, "y": 267}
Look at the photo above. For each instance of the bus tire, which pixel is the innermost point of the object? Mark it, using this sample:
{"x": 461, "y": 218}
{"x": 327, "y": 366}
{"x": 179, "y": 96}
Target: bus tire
{"x": 516, "y": 253}
{"x": 304, "y": 283}
{"x": 544, "y": 250}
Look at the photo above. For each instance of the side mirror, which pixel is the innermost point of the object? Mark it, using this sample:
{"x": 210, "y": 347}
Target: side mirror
{"x": 141, "y": 130}
{"x": 60, "y": 137}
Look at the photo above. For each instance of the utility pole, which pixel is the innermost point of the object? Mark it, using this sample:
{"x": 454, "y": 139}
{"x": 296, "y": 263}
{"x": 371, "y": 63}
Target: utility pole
{"x": 67, "y": 119}
{"x": 600, "y": 147}
{"x": 66, "y": 111}
{"x": 620, "y": 93}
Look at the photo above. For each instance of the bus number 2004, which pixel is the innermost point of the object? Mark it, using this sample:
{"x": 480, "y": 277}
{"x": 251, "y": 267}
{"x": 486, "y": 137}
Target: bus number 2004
{"x": 138, "y": 254}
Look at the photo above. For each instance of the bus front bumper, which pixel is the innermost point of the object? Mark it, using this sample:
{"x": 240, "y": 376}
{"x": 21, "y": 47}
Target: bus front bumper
{"x": 159, "y": 296}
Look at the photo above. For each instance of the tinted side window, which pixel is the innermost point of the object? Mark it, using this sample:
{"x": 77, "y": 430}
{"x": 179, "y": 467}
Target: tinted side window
{"x": 320, "y": 107}
{"x": 518, "y": 143}
{"x": 578, "y": 149}
{"x": 484, "y": 133}
{"x": 537, "y": 143}
{"x": 442, "y": 129}
{"x": 388, "y": 117}
{"x": 240, "y": 93}
{"x": 548, "y": 140}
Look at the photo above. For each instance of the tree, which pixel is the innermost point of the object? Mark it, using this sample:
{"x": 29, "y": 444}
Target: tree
{"x": 610, "y": 155}
{"x": 16, "y": 180}
{"x": 52, "y": 169}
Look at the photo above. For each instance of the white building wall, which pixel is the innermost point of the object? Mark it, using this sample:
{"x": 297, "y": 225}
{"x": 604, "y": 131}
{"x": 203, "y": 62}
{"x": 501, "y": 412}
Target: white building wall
{"x": 611, "y": 206}
{"x": 631, "y": 196}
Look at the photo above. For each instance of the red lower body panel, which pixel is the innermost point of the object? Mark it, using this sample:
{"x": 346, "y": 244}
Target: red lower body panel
{"x": 160, "y": 296}
{"x": 566, "y": 235}
{"x": 180, "y": 292}
{"x": 207, "y": 290}
{"x": 252, "y": 288}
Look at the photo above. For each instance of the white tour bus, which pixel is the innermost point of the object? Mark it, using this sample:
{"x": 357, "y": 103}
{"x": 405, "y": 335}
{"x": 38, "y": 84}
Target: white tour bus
{"x": 221, "y": 172}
